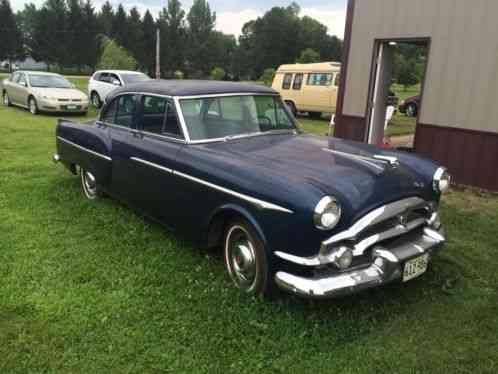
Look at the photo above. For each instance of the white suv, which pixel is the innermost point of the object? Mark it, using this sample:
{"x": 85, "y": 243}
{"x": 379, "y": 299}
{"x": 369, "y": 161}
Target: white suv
{"x": 103, "y": 82}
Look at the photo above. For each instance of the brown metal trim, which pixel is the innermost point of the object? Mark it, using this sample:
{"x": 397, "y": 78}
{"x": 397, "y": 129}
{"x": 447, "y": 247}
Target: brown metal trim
{"x": 470, "y": 155}
{"x": 453, "y": 128}
{"x": 344, "y": 67}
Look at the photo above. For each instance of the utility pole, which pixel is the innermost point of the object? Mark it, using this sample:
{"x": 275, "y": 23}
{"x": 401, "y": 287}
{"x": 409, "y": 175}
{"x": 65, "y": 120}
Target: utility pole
{"x": 158, "y": 54}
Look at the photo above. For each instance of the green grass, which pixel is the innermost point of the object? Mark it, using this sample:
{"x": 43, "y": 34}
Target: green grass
{"x": 95, "y": 288}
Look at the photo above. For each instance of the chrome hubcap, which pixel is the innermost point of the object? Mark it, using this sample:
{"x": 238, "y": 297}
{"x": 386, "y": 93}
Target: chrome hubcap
{"x": 95, "y": 100}
{"x": 241, "y": 258}
{"x": 32, "y": 106}
{"x": 5, "y": 99}
{"x": 89, "y": 184}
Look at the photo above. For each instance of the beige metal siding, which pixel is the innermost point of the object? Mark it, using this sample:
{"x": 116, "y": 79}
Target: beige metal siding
{"x": 461, "y": 88}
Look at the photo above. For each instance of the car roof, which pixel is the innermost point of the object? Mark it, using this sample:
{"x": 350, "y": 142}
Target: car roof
{"x": 37, "y": 72}
{"x": 193, "y": 88}
{"x": 119, "y": 71}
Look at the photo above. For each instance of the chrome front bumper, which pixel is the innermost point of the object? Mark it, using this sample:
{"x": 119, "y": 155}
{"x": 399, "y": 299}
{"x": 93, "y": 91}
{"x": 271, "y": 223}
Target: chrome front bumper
{"x": 387, "y": 266}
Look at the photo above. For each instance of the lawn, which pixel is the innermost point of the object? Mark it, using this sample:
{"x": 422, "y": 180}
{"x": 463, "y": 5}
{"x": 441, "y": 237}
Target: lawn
{"x": 91, "y": 287}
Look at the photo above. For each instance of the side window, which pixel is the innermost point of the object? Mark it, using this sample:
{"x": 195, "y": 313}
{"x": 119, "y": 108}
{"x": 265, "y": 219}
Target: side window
{"x": 298, "y": 82}
{"x": 159, "y": 117}
{"x": 96, "y": 77}
{"x": 319, "y": 79}
{"x": 113, "y": 78}
{"x": 127, "y": 108}
{"x": 287, "y": 81}
{"x": 14, "y": 77}
{"x": 109, "y": 113}
{"x": 22, "y": 79}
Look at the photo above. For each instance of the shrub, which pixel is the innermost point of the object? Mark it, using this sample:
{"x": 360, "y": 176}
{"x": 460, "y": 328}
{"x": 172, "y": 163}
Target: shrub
{"x": 217, "y": 74}
{"x": 115, "y": 57}
{"x": 268, "y": 76}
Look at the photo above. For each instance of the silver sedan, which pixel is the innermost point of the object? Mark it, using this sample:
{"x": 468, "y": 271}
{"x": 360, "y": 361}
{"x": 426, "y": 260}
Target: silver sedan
{"x": 43, "y": 92}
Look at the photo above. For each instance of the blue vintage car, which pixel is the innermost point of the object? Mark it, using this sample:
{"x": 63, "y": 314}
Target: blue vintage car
{"x": 226, "y": 164}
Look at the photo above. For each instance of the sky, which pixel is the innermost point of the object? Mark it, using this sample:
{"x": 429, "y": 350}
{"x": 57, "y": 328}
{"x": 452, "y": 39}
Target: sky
{"x": 231, "y": 15}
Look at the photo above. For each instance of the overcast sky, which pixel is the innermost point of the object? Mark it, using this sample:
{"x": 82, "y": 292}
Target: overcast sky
{"x": 232, "y": 14}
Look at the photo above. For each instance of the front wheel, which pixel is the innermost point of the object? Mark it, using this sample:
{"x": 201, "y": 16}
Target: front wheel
{"x": 89, "y": 183}
{"x": 33, "y": 106}
{"x": 6, "y": 99}
{"x": 246, "y": 259}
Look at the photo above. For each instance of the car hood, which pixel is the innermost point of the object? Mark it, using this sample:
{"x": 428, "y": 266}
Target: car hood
{"x": 60, "y": 93}
{"x": 330, "y": 166}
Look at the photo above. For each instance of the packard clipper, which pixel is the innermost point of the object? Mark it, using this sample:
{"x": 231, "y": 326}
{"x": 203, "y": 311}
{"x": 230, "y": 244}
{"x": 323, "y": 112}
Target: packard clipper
{"x": 226, "y": 164}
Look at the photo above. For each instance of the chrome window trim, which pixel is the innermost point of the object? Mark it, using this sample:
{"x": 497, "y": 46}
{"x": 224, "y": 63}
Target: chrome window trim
{"x": 85, "y": 149}
{"x": 165, "y": 137}
{"x": 208, "y": 96}
{"x": 257, "y": 202}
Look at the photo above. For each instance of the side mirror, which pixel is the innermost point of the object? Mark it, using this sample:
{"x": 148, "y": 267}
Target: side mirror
{"x": 116, "y": 82}
{"x": 23, "y": 84}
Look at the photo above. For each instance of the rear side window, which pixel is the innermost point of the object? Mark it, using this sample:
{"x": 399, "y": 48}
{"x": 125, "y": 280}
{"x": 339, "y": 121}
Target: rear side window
{"x": 96, "y": 76}
{"x": 126, "y": 111}
{"x": 287, "y": 81}
{"x": 159, "y": 117}
{"x": 320, "y": 79}
{"x": 298, "y": 82}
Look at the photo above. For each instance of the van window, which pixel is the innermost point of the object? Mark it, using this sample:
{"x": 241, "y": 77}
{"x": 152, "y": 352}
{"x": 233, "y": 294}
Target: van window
{"x": 320, "y": 79}
{"x": 298, "y": 81}
{"x": 287, "y": 81}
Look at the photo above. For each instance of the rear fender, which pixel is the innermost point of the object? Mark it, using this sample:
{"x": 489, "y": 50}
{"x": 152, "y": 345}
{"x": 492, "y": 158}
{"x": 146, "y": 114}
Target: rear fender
{"x": 87, "y": 146}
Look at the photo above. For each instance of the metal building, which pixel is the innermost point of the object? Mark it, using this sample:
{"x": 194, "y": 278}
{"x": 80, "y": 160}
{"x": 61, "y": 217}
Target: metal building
{"x": 457, "y": 123}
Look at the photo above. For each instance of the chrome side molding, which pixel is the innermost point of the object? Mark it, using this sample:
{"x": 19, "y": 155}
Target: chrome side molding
{"x": 257, "y": 202}
{"x": 100, "y": 155}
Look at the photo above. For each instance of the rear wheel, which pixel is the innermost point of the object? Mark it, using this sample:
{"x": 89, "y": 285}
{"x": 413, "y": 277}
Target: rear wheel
{"x": 411, "y": 110}
{"x": 89, "y": 183}
{"x": 95, "y": 98}
{"x": 292, "y": 108}
{"x": 315, "y": 115}
{"x": 246, "y": 259}
{"x": 6, "y": 99}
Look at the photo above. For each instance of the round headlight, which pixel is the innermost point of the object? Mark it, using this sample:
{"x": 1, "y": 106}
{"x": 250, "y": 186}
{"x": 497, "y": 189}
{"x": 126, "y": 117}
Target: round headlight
{"x": 442, "y": 181}
{"x": 327, "y": 213}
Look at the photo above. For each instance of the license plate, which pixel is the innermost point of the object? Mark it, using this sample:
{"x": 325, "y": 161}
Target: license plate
{"x": 415, "y": 268}
{"x": 71, "y": 107}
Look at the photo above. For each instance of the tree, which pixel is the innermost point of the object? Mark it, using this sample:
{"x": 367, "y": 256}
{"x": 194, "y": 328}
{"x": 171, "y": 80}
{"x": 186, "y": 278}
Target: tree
{"x": 105, "y": 19}
{"x": 11, "y": 47}
{"x": 309, "y": 56}
{"x": 268, "y": 76}
{"x": 119, "y": 27}
{"x": 149, "y": 43}
{"x": 409, "y": 72}
{"x": 90, "y": 32}
{"x": 135, "y": 41}
{"x": 49, "y": 41}
{"x": 75, "y": 36}
{"x": 221, "y": 51}
{"x": 115, "y": 57}
{"x": 201, "y": 22}
{"x": 173, "y": 37}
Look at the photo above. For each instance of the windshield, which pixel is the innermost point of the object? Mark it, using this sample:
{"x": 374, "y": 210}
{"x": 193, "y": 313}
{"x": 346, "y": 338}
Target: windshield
{"x": 134, "y": 78}
{"x": 52, "y": 81}
{"x": 231, "y": 116}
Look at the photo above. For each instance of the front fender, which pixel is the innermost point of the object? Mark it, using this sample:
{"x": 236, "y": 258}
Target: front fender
{"x": 214, "y": 224}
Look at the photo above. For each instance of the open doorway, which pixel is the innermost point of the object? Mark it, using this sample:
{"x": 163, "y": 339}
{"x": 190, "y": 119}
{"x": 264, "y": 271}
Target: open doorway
{"x": 395, "y": 98}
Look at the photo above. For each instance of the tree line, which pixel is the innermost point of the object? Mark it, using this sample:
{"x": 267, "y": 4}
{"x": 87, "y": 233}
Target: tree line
{"x": 74, "y": 33}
